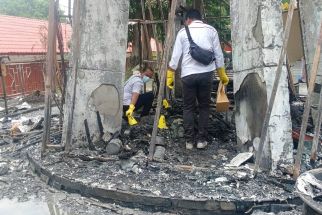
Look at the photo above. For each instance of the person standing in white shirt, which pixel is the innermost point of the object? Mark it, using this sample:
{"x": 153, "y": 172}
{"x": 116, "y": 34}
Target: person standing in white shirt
{"x": 196, "y": 77}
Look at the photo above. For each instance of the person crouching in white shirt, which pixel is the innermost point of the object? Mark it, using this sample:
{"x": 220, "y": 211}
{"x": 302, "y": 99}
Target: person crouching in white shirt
{"x": 134, "y": 99}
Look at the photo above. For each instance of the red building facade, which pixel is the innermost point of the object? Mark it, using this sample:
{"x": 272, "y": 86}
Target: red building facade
{"x": 24, "y": 41}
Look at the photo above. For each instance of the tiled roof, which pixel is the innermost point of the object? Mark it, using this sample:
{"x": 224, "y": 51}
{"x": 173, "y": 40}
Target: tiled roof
{"x": 21, "y": 35}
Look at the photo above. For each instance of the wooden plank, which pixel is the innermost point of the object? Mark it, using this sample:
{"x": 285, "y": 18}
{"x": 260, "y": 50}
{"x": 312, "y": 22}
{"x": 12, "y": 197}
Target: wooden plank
{"x": 148, "y": 22}
{"x": 275, "y": 86}
{"x": 308, "y": 103}
{"x": 164, "y": 66}
{"x": 316, "y": 138}
{"x": 57, "y": 147}
{"x": 50, "y": 71}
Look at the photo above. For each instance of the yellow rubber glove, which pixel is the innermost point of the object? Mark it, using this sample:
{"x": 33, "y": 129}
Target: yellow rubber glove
{"x": 132, "y": 120}
{"x": 162, "y": 123}
{"x": 222, "y": 75}
{"x": 165, "y": 104}
{"x": 129, "y": 111}
{"x": 170, "y": 79}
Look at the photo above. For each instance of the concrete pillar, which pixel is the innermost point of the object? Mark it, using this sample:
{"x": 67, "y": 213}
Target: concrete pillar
{"x": 100, "y": 68}
{"x": 311, "y": 15}
{"x": 257, "y": 31}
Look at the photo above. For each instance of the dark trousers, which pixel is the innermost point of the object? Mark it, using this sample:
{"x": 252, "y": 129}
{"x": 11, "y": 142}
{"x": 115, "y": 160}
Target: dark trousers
{"x": 145, "y": 100}
{"x": 196, "y": 87}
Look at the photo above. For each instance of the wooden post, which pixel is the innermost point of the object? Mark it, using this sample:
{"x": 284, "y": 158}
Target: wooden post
{"x": 140, "y": 46}
{"x": 145, "y": 29}
{"x": 62, "y": 73}
{"x": 290, "y": 79}
{"x": 76, "y": 53}
{"x": 199, "y": 5}
{"x": 275, "y": 86}
{"x": 70, "y": 11}
{"x": 316, "y": 138}
{"x": 168, "y": 43}
{"x": 20, "y": 75}
{"x": 4, "y": 90}
{"x": 316, "y": 60}
{"x": 162, "y": 16}
{"x": 304, "y": 71}
{"x": 154, "y": 30}
{"x": 177, "y": 91}
{"x": 50, "y": 71}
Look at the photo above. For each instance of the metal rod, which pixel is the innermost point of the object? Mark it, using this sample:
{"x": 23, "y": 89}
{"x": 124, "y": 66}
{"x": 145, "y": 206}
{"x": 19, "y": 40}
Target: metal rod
{"x": 275, "y": 87}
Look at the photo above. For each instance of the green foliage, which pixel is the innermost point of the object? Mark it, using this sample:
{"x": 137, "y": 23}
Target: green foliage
{"x": 218, "y": 12}
{"x": 135, "y": 8}
{"x": 136, "y": 13}
{"x": 25, "y": 8}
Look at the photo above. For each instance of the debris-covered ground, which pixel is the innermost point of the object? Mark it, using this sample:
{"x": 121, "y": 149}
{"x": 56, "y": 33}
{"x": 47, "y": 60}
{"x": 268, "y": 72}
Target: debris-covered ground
{"x": 219, "y": 151}
{"x": 196, "y": 174}
{"x": 23, "y": 192}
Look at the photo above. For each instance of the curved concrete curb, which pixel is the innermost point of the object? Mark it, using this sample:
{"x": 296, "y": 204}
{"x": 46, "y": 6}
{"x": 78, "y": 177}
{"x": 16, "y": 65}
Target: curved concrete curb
{"x": 197, "y": 206}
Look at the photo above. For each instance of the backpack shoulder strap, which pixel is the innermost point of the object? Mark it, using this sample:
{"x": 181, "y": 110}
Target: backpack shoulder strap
{"x": 188, "y": 33}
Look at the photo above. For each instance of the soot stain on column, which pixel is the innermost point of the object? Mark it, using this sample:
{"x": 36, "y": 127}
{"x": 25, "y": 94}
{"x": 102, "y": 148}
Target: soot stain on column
{"x": 252, "y": 92}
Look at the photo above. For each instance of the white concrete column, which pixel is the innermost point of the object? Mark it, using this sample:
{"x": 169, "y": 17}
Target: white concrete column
{"x": 257, "y": 32}
{"x": 311, "y": 15}
{"x": 100, "y": 68}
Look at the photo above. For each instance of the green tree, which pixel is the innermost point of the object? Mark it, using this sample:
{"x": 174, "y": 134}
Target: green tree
{"x": 217, "y": 13}
{"x": 25, "y": 8}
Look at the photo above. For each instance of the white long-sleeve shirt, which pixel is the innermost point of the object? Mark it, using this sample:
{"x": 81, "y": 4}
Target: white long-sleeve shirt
{"x": 204, "y": 36}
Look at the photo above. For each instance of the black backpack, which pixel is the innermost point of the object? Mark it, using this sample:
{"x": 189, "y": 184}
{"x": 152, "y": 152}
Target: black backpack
{"x": 199, "y": 54}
